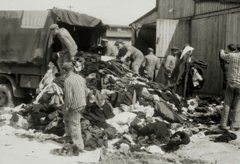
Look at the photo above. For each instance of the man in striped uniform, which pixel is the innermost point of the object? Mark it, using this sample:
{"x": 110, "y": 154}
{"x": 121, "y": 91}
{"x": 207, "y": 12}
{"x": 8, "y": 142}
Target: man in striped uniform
{"x": 75, "y": 91}
{"x": 232, "y": 93}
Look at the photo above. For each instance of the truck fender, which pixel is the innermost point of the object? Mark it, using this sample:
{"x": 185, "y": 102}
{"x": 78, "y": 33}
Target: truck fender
{"x": 17, "y": 91}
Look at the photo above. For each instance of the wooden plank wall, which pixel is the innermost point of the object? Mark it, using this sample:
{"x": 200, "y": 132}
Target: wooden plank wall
{"x": 232, "y": 28}
{"x": 208, "y": 36}
{"x": 181, "y": 8}
{"x": 207, "y": 7}
{"x": 181, "y": 35}
{"x": 185, "y": 8}
{"x": 163, "y": 9}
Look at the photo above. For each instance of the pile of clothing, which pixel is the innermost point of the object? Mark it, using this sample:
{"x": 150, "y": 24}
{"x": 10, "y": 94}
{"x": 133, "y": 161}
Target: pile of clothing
{"x": 124, "y": 111}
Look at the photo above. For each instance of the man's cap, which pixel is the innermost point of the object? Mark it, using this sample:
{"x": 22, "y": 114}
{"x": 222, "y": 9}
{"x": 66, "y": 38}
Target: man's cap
{"x": 104, "y": 40}
{"x": 238, "y": 46}
{"x": 174, "y": 48}
{"x": 119, "y": 41}
{"x": 53, "y": 26}
{"x": 150, "y": 49}
{"x": 99, "y": 45}
{"x": 67, "y": 66}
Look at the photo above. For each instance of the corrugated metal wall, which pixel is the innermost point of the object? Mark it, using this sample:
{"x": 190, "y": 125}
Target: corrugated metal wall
{"x": 171, "y": 33}
{"x": 165, "y": 33}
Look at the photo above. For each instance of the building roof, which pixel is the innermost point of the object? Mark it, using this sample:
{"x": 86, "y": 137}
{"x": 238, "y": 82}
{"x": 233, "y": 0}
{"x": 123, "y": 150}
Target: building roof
{"x": 117, "y": 34}
{"x": 119, "y": 26}
{"x": 148, "y": 13}
{"x": 221, "y": 1}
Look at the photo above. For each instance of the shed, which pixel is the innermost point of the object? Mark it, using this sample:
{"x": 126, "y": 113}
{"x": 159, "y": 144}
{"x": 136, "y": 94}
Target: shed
{"x": 207, "y": 25}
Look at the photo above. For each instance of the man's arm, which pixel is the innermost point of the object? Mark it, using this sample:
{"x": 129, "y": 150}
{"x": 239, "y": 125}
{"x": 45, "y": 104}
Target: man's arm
{"x": 109, "y": 51}
{"x": 158, "y": 65}
{"x": 167, "y": 61}
{"x": 128, "y": 54}
{"x": 68, "y": 94}
{"x": 224, "y": 55}
{"x": 68, "y": 43}
{"x": 85, "y": 87}
{"x": 144, "y": 63}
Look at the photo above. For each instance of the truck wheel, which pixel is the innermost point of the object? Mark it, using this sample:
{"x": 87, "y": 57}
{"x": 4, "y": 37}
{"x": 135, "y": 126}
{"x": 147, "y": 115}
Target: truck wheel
{"x": 6, "y": 96}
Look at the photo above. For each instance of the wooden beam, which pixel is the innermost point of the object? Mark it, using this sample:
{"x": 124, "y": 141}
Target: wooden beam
{"x": 221, "y": 12}
{"x": 211, "y": 14}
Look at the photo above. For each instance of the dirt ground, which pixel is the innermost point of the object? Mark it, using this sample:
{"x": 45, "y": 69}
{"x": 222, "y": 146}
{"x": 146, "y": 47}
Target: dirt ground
{"x": 200, "y": 150}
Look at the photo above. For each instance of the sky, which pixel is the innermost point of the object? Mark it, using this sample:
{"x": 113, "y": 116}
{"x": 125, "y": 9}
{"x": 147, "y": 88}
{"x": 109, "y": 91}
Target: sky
{"x": 119, "y": 12}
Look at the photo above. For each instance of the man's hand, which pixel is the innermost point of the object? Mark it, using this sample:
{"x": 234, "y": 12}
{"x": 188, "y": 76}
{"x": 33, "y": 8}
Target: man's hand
{"x": 123, "y": 59}
{"x": 55, "y": 56}
{"x": 73, "y": 58}
{"x": 66, "y": 109}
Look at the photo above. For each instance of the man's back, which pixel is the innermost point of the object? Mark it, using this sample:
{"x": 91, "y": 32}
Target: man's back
{"x": 170, "y": 62}
{"x": 234, "y": 68}
{"x": 111, "y": 51}
{"x": 152, "y": 62}
{"x": 76, "y": 87}
{"x": 67, "y": 40}
{"x": 134, "y": 52}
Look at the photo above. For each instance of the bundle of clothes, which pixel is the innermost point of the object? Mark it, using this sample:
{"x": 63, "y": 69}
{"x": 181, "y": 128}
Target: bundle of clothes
{"x": 123, "y": 107}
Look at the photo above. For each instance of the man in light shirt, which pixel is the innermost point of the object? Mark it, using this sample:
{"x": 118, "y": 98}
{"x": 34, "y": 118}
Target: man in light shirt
{"x": 135, "y": 55}
{"x": 232, "y": 93}
{"x": 69, "y": 47}
{"x": 108, "y": 50}
{"x": 150, "y": 64}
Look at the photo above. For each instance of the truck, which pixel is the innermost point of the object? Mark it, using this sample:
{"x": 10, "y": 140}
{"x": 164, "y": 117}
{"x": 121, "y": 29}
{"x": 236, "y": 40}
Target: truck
{"x": 27, "y": 45}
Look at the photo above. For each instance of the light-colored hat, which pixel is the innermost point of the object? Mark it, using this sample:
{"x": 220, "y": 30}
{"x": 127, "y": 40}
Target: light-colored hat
{"x": 119, "y": 41}
{"x": 174, "y": 48}
{"x": 150, "y": 49}
{"x": 67, "y": 66}
{"x": 104, "y": 40}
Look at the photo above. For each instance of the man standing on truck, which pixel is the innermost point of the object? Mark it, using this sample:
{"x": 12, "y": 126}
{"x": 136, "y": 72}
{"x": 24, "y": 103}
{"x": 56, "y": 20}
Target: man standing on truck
{"x": 69, "y": 46}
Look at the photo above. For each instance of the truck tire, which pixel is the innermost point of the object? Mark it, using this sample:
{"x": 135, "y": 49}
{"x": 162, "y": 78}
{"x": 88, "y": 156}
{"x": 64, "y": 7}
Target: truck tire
{"x": 6, "y": 96}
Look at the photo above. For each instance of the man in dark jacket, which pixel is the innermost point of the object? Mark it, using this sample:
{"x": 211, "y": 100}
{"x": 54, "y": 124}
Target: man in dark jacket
{"x": 150, "y": 64}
